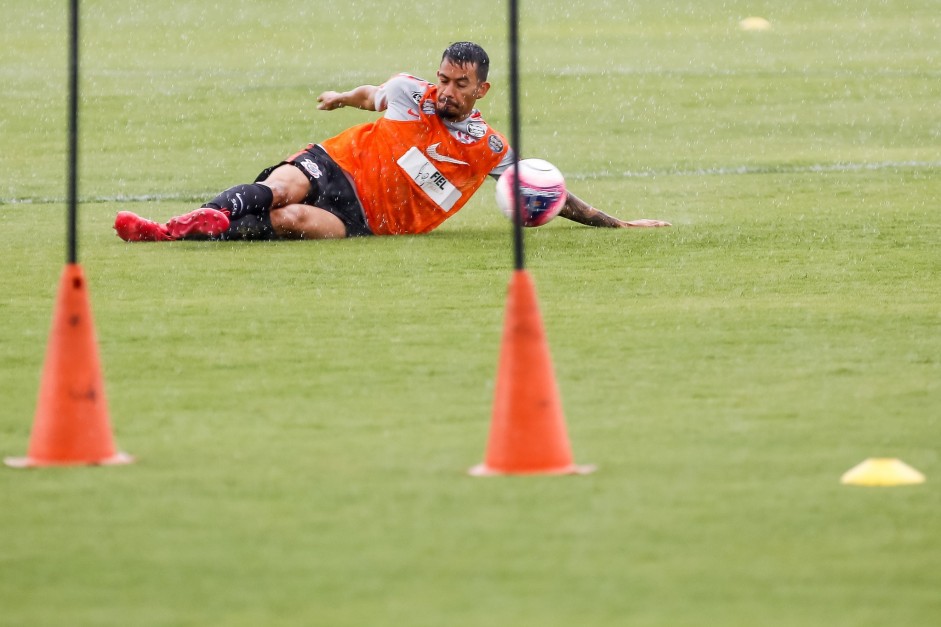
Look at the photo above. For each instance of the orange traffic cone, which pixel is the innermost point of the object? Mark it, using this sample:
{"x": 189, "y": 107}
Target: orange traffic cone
{"x": 71, "y": 424}
{"x": 527, "y": 432}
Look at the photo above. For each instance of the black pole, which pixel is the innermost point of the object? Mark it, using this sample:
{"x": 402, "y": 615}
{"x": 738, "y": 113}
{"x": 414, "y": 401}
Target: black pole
{"x": 73, "y": 133}
{"x": 515, "y": 133}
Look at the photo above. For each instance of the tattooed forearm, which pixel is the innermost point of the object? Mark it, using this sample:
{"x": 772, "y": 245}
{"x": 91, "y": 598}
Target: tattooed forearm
{"x": 578, "y": 210}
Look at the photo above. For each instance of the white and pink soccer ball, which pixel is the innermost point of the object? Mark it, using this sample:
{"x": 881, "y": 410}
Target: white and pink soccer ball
{"x": 542, "y": 192}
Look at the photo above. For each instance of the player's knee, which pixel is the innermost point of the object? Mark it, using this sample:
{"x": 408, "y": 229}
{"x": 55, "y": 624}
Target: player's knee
{"x": 280, "y": 192}
{"x": 288, "y": 186}
{"x": 287, "y": 221}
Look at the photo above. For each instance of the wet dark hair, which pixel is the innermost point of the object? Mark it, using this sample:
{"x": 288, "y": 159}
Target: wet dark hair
{"x": 463, "y": 52}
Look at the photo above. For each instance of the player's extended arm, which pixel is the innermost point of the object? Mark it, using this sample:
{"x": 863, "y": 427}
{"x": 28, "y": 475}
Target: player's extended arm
{"x": 578, "y": 210}
{"x": 363, "y": 97}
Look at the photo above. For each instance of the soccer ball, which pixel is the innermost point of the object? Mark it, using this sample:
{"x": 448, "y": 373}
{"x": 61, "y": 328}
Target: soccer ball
{"x": 542, "y": 191}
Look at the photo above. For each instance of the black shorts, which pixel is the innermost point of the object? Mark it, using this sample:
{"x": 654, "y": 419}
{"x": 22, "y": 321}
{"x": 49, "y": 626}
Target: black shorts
{"x": 330, "y": 190}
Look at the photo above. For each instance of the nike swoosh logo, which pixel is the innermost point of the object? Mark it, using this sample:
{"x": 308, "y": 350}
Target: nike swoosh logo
{"x": 433, "y": 153}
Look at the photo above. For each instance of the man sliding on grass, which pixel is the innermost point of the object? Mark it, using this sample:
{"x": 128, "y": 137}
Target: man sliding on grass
{"x": 405, "y": 173}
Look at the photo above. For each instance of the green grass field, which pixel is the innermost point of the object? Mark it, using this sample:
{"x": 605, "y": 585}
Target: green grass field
{"x": 303, "y": 414}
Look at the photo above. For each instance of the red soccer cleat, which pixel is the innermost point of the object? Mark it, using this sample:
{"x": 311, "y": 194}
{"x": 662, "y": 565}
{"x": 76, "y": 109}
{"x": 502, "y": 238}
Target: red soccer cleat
{"x": 133, "y": 228}
{"x": 203, "y": 223}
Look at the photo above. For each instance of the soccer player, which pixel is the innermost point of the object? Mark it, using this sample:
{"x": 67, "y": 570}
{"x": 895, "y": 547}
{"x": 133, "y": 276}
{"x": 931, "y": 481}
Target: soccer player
{"x": 405, "y": 173}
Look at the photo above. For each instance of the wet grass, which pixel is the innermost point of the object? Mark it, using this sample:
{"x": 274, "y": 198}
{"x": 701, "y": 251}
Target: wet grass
{"x": 303, "y": 414}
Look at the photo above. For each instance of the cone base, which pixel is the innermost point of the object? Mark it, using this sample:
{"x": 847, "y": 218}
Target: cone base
{"x": 882, "y": 471}
{"x": 118, "y": 459}
{"x": 483, "y": 470}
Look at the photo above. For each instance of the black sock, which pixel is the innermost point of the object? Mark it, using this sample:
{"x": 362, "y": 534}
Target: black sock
{"x": 244, "y": 200}
{"x": 250, "y": 228}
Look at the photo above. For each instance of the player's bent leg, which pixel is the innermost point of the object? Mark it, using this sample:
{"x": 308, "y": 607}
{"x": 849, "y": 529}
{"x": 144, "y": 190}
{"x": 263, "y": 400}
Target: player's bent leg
{"x": 306, "y": 222}
{"x": 288, "y": 185}
{"x": 243, "y": 200}
{"x": 284, "y": 185}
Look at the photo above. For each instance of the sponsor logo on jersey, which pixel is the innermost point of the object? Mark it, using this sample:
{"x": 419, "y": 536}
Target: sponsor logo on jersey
{"x": 432, "y": 151}
{"x": 495, "y": 143}
{"x": 428, "y": 107}
{"x": 476, "y": 129}
{"x": 312, "y": 168}
{"x": 428, "y": 179}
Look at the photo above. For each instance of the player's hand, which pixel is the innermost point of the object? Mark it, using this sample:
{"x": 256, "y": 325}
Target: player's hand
{"x": 330, "y": 100}
{"x": 643, "y": 224}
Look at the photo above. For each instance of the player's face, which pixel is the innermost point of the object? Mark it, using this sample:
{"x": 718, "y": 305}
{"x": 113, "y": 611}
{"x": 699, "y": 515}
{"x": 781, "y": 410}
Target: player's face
{"x": 458, "y": 90}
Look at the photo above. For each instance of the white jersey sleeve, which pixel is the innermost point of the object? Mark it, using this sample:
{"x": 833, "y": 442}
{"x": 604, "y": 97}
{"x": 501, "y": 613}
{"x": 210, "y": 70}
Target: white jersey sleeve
{"x": 400, "y": 94}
